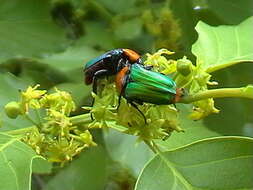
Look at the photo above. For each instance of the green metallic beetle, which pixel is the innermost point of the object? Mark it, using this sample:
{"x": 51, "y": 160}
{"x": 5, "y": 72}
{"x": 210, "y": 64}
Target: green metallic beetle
{"x": 139, "y": 85}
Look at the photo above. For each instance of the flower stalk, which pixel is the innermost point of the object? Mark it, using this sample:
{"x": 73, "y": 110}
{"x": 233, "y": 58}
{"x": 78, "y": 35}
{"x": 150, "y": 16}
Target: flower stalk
{"x": 85, "y": 119}
{"x": 81, "y": 119}
{"x": 244, "y": 92}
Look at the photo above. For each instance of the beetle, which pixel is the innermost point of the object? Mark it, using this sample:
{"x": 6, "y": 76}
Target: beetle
{"x": 109, "y": 64}
{"x": 138, "y": 85}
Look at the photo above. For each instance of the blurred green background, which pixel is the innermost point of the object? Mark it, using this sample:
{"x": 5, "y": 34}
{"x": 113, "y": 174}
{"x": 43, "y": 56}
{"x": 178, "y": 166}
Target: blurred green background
{"x": 48, "y": 42}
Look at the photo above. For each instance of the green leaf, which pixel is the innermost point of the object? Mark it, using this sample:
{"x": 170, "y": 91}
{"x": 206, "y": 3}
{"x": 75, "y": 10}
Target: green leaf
{"x": 15, "y": 163}
{"x": 9, "y": 91}
{"x": 96, "y": 36}
{"x": 235, "y": 117}
{"x": 129, "y": 30}
{"x": 28, "y": 30}
{"x": 226, "y": 12}
{"x": 182, "y": 9}
{"x": 125, "y": 149}
{"x": 73, "y": 58}
{"x": 194, "y": 130}
{"x": 34, "y": 72}
{"x": 117, "y": 6}
{"x": 76, "y": 56}
{"x": 86, "y": 172}
{"x": 215, "y": 163}
{"x": 41, "y": 166}
{"x": 223, "y": 46}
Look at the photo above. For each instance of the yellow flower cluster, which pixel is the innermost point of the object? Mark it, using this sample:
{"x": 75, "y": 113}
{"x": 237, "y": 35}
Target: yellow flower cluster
{"x": 54, "y": 136}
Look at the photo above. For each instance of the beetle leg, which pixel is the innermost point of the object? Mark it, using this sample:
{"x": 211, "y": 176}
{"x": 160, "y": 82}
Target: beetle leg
{"x": 126, "y": 78}
{"x": 91, "y": 116}
{"x": 121, "y": 64}
{"x": 139, "y": 61}
{"x": 138, "y": 102}
{"x": 119, "y": 100}
{"x": 96, "y": 76}
{"x": 148, "y": 67}
{"x": 136, "y": 107}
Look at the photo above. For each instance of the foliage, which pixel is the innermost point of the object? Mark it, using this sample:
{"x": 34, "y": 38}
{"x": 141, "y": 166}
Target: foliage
{"x": 16, "y": 170}
{"x": 174, "y": 169}
{"x": 198, "y": 43}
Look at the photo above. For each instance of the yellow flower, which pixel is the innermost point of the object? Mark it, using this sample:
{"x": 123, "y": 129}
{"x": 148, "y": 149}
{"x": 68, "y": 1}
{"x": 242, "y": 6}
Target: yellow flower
{"x": 30, "y": 98}
{"x": 59, "y": 101}
{"x": 32, "y": 93}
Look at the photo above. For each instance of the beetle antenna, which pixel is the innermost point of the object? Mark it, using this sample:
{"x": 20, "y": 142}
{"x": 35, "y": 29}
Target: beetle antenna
{"x": 136, "y": 107}
{"x": 91, "y": 116}
{"x": 119, "y": 100}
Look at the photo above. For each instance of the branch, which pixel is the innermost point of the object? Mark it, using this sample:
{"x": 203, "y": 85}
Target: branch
{"x": 81, "y": 119}
{"x": 244, "y": 92}
{"x": 84, "y": 119}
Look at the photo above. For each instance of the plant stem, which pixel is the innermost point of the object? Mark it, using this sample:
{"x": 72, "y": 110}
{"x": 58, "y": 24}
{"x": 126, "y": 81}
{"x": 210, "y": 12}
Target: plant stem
{"x": 75, "y": 137}
{"x": 222, "y": 66}
{"x": 150, "y": 146}
{"x": 39, "y": 117}
{"x": 30, "y": 119}
{"x": 156, "y": 147}
{"x": 244, "y": 92}
{"x": 21, "y": 131}
{"x": 81, "y": 119}
{"x": 76, "y": 120}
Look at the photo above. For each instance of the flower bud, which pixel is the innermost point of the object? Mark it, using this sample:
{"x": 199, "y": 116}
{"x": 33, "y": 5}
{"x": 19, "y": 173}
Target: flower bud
{"x": 184, "y": 66}
{"x": 12, "y": 109}
{"x": 87, "y": 138}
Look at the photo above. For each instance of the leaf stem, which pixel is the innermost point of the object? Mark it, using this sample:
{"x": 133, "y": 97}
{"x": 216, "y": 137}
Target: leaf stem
{"x": 150, "y": 146}
{"x": 81, "y": 119}
{"x": 39, "y": 117}
{"x": 222, "y": 66}
{"x": 76, "y": 137}
{"x": 244, "y": 92}
{"x": 76, "y": 120}
{"x": 21, "y": 131}
{"x": 156, "y": 147}
{"x": 30, "y": 119}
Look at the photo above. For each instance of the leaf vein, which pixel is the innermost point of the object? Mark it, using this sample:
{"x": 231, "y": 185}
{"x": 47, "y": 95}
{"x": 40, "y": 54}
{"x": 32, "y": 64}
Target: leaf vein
{"x": 218, "y": 58}
{"x": 7, "y": 144}
{"x": 237, "y": 43}
{"x": 156, "y": 170}
{"x": 12, "y": 169}
{"x": 20, "y": 149}
{"x": 212, "y": 162}
{"x": 176, "y": 173}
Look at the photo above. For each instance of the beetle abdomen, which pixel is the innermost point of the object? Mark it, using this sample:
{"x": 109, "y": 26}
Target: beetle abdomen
{"x": 152, "y": 79}
{"x": 144, "y": 93}
{"x": 146, "y": 86}
{"x": 90, "y": 71}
